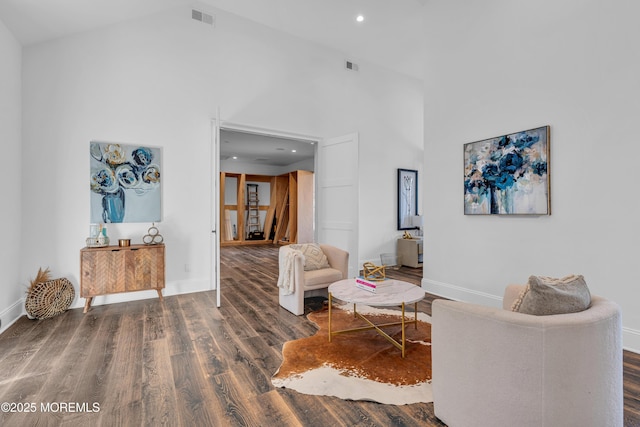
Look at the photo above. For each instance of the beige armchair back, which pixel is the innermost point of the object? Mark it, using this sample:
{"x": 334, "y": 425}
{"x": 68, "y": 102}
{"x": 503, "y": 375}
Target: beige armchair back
{"x": 315, "y": 282}
{"x": 494, "y": 367}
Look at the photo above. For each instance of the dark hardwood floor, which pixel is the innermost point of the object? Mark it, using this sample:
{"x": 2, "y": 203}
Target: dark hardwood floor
{"x": 185, "y": 362}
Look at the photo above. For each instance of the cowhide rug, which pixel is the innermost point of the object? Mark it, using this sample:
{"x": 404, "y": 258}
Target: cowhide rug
{"x": 360, "y": 365}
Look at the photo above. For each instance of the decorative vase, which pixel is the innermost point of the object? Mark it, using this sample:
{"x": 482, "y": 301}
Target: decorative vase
{"x": 113, "y": 206}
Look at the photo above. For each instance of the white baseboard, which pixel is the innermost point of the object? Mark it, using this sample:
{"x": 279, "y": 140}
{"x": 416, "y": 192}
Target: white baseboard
{"x": 458, "y": 293}
{"x": 631, "y": 340}
{"x": 11, "y": 314}
{"x": 630, "y": 337}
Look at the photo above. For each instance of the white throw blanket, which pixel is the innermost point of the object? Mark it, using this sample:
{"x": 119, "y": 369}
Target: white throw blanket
{"x": 286, "y": 279}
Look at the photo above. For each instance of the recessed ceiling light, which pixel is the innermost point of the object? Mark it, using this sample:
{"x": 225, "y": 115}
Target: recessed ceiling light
{"x": 360, "y": 18}
{"x": 235, "y": 157}
{"x": 293, "y": 151}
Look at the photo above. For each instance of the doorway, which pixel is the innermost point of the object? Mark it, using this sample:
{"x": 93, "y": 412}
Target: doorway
{"x": 334, "y": 159}
{"x": 267, "y": 192}
{"x": 241, "y": 151}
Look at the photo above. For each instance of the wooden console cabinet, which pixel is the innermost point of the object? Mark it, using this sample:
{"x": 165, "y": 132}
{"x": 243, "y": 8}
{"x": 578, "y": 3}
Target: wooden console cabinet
{"x": 115, "y": 269}
{"x": 410, "y": 252}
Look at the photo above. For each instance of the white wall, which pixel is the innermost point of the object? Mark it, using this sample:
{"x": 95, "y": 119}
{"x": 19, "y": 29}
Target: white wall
{"x": 12, "y": 284}
{"x": 158, "y": 81}
{"x": 500, "y": 66}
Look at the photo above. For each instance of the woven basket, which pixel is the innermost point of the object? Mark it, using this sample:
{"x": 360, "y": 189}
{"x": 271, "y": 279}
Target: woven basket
{"x": 48, "y": 299}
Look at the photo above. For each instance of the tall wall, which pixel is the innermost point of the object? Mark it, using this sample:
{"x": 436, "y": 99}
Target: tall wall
{"x": 500, "y": 66}
{"x": 12, "y": 283}
{"x": 159, "y": 80}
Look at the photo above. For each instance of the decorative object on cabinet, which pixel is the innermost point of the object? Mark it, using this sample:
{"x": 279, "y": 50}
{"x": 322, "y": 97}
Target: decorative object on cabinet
{"x": 125, "y": 183}
{"x": 508, "y": 174}
{"x": 98, "y": 236}
{"x": 418, "y": 222}
{"x": 153, "y": 236}
{"x": 407, "y": 198}
{"x": 410, "y": 252}
{"x": 116, "y": 269}
{"x": 47, "y": 298}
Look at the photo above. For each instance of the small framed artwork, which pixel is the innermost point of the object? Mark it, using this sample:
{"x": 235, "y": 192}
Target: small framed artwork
{"x": 407, "y": 198}
{"x": 508, "y": 174}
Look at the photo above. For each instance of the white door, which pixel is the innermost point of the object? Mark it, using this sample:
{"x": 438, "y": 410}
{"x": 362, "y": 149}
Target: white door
{"x": 337, "y": 201}
{"x": 215, "y": 211}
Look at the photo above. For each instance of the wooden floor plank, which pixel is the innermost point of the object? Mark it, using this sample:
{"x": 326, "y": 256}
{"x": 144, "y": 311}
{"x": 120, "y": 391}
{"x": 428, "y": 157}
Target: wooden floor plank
{"x": 65, "y": 376}
{"x": 311, "y": 410}
{"x": 193, "y": 401}
{"x": 159, "y": 403}
{"x": 154, "y": 319}
{"x": 231, "y": 397}
{"x": 124, "y": 395}
{"x": 273, "y": 410}
{"x": 244, "y": 366}
{"x": 176, "y": 329}
{"x": 99, "y": 370}
{"x": 24, "y": 392}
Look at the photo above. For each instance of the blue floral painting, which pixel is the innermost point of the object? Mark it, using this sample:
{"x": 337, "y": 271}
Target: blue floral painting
{"x": 508, "y": 174}
{"x": 125, "y": 183}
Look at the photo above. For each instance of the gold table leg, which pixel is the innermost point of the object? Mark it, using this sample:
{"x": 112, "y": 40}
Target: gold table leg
{"x": 404, "y": 341}
{"x": 330, "y": 298}
{"x": 403, "y": 322}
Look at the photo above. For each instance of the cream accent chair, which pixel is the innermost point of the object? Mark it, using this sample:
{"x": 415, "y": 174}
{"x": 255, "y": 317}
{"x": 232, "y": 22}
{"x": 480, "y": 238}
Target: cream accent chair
{"x": 494, "y": 367}
{"x": 314, "y": 282}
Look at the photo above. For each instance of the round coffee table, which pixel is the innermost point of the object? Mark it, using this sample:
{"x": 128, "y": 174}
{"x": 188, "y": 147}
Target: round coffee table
{"x": 388, "y": 293}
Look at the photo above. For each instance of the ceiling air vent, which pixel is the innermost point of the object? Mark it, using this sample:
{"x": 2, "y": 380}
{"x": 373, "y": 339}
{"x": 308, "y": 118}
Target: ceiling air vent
{"x": 351, "y": 66}
{"x": 202, "y": 17}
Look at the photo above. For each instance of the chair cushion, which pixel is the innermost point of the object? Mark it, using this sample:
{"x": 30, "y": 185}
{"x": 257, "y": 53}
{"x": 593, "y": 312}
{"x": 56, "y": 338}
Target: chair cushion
{"x": 546, "y": 296}
{"x": 314, "y": 258}
{"x": 317, "y": 279}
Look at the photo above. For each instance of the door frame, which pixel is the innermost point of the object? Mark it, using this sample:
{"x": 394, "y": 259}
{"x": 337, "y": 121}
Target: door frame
{"x": 218, "y": 125}
{"x": 215, "y": 212}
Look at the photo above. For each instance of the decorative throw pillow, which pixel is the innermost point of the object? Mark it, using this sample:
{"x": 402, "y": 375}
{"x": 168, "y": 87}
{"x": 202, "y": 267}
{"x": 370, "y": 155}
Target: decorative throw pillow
{"x": 546, "y": 295}
{"x": 314, "y": 258}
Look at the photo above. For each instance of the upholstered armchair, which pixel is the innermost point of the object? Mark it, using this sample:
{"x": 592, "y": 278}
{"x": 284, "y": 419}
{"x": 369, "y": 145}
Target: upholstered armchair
{"x": 495, "y": 367}
{"x": 298, "y": 280}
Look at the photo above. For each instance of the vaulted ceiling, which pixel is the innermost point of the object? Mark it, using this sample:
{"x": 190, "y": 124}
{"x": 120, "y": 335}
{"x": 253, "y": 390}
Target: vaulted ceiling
{"x": 390, "y": 34}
